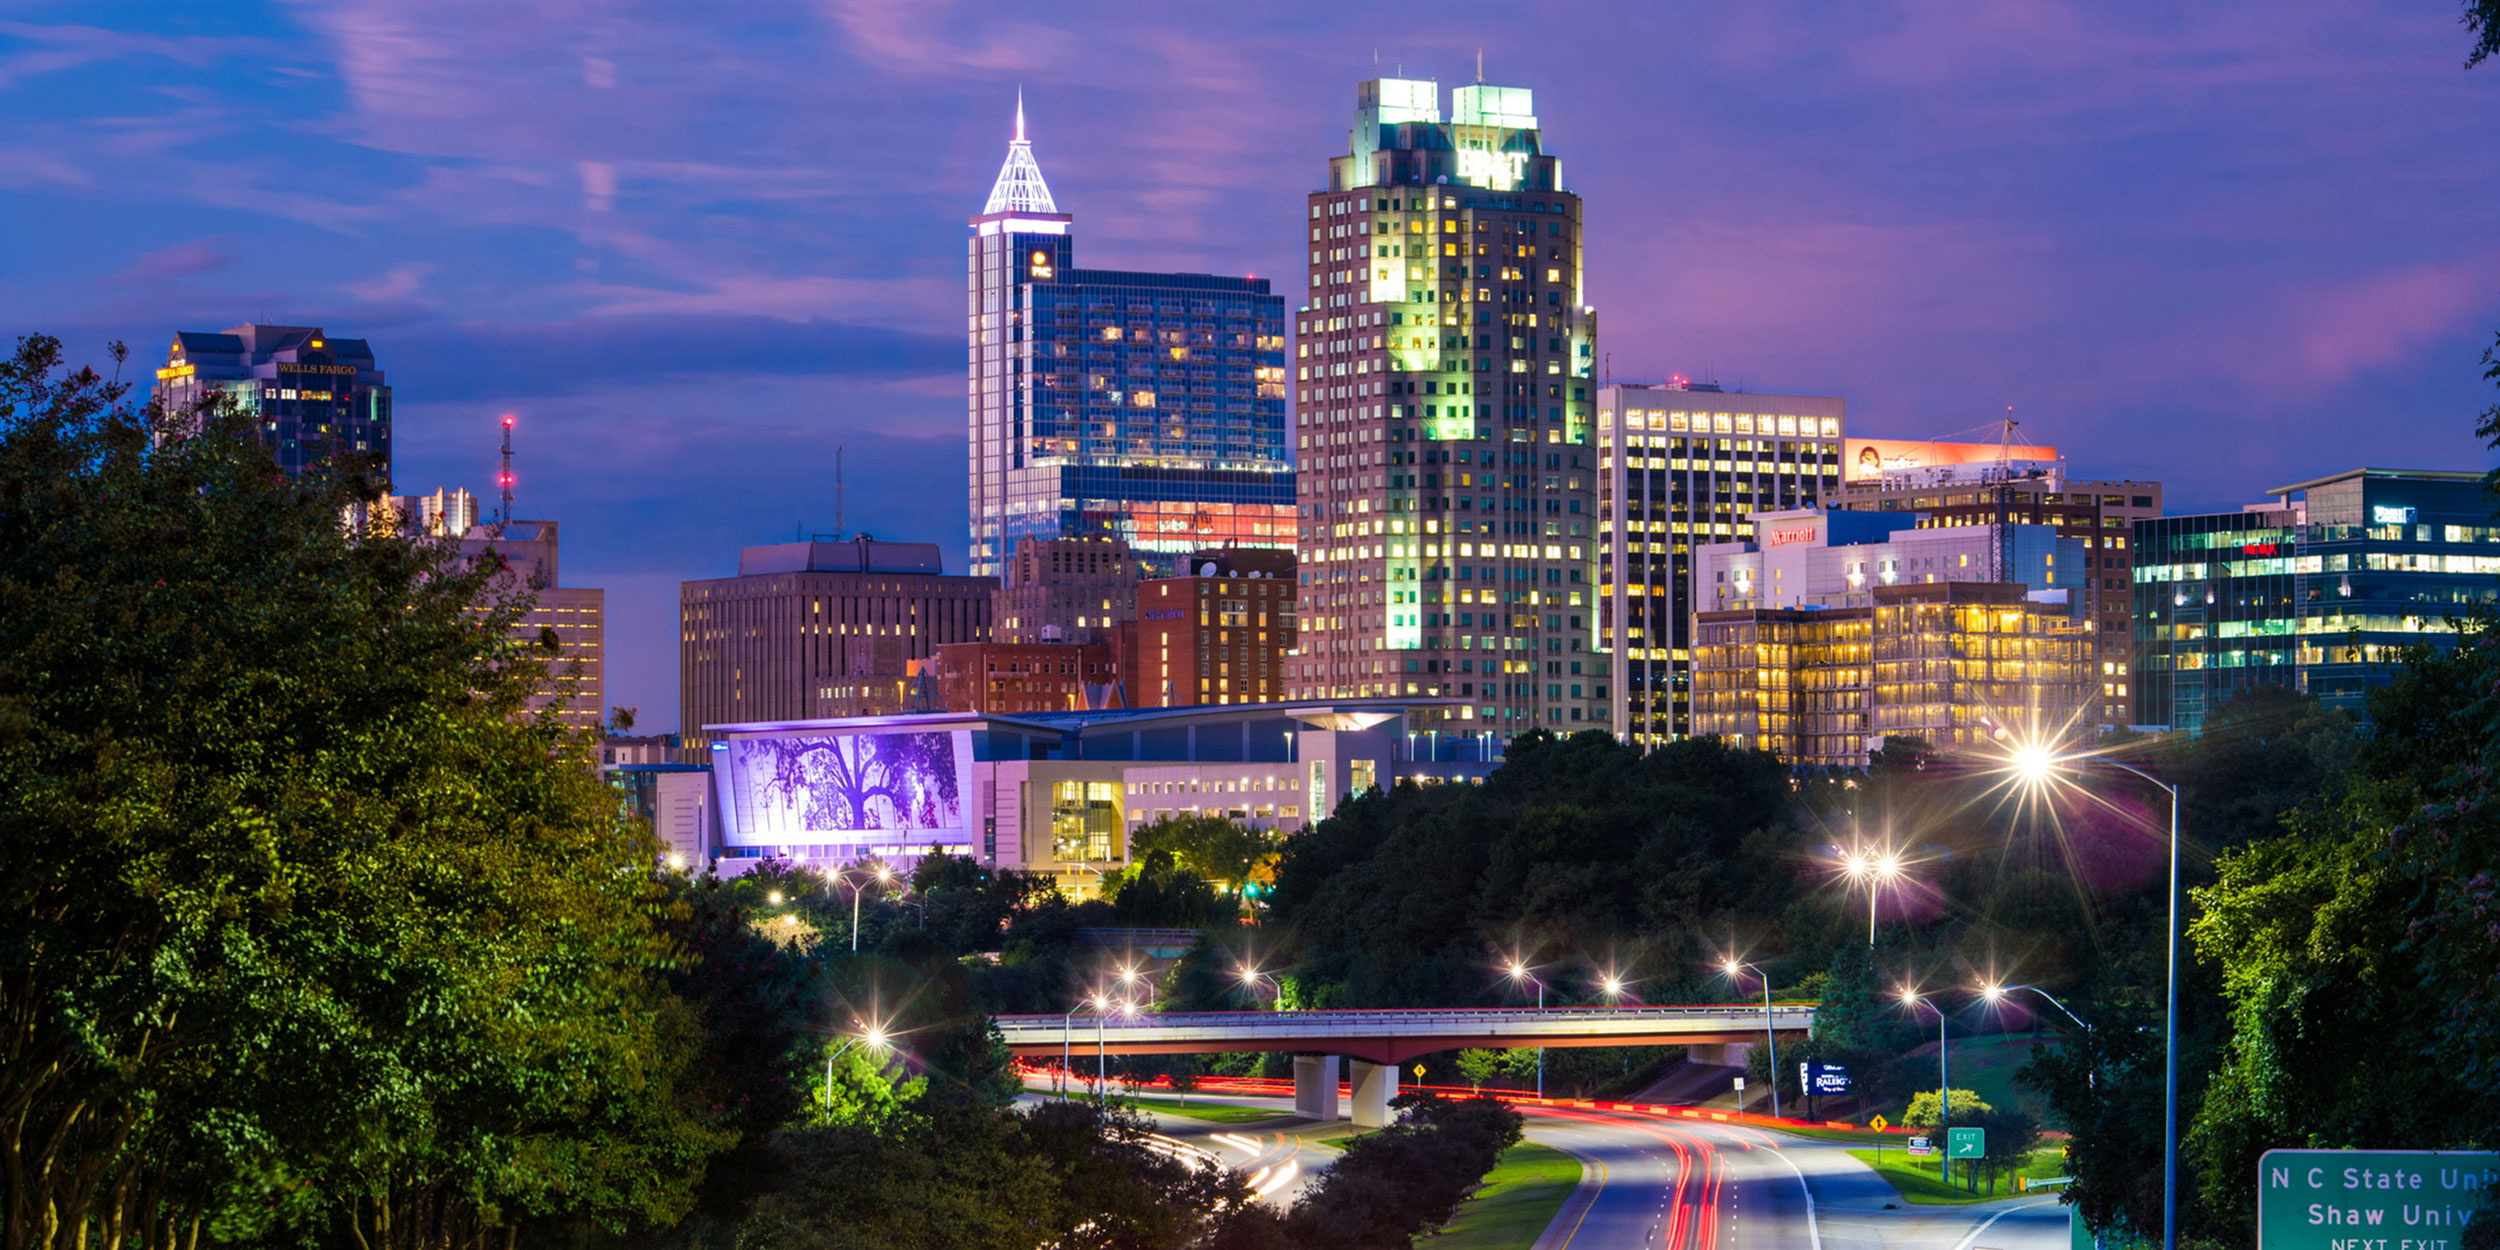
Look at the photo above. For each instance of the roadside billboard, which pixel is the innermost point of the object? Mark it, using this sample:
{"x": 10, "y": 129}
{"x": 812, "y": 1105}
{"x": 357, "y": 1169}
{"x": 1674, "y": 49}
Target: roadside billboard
{"x": 902, "y": 789}
{"x": 1869, "y": 459}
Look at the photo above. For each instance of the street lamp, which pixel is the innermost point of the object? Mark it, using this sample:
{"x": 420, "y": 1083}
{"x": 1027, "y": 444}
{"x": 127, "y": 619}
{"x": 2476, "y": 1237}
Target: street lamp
{"x": 1067, "y": 1026}
{"x": 1735, "y": 969}
{"x": 2037, "y": 765}
{"x": 1519, "y": 973}
{"x": 1251, "y": 979}
{"x": 1873, "y": 868}
{"x": 1944, "y": 1079}
{"x": 1995, "y": 994}
{"x": 876, "y": 1039}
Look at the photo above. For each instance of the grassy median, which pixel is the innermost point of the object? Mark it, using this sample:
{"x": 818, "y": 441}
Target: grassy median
{"x": 1519, "y": 1199}
{"x": 1211, "y": 1112}
{"x": 1918, "y": 1179}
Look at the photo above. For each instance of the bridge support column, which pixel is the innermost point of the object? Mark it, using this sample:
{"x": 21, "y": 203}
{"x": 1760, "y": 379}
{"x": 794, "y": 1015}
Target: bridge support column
{"x": 1315, "y": 1087}
{"x": 1374, "y": 1085}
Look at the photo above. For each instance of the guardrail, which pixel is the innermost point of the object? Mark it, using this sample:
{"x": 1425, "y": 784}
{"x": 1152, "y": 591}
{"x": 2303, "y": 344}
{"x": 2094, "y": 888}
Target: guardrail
{"x": 1417, "y": 1024}
{"x": 1782, "y": 1015}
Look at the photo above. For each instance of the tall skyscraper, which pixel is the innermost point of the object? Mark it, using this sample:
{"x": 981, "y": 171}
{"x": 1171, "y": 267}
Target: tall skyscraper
{"x": 311, "y": 396}
{"x": 1148, "y": 407}
{"x": 1686, "y": 465}
{"x": 1444, "y": 424}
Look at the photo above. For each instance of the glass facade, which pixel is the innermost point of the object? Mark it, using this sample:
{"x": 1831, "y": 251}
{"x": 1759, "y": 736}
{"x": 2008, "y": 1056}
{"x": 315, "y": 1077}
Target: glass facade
{"x": 2319, "y": 593}
{"x": 2099, "y": 514}
{"x": 1947, "y": 662}
{"x": 1682, "y": 467}
{"x": 1443, "y": 419}
{"x": 311, "y": 396}
{"x": 1145, "y": 407}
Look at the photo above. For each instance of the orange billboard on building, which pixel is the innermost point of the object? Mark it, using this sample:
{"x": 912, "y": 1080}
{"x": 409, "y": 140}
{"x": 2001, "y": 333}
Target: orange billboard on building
{"x": 1869, "y": 459}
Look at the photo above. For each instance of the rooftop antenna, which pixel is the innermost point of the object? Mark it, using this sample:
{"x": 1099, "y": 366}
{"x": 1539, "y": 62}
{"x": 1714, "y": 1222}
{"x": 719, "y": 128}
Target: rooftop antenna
{"x": 838, "y": 532}
{"x": 503, "y": 480}
{"x": 1020, "y": 113}
{"x": 1480, "y": 66}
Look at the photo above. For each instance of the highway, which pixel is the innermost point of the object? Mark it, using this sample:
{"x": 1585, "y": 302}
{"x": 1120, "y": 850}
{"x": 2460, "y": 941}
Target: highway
{"x": 1697, "y": 1185}
{"x": 1678, "y": 1184}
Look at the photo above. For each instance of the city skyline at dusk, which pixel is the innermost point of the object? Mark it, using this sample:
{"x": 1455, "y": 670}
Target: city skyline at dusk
{"x": 2225, "y": 249}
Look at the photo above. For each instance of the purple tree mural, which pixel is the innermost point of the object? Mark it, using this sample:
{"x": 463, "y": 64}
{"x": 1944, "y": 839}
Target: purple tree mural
{"x": 855, "y": 782}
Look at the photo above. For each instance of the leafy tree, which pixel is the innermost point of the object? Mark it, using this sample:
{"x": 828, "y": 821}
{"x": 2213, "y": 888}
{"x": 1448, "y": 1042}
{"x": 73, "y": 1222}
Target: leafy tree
{"x": 1406, "y": 1179}
{"x": 1211, "y": 847}
{"x": 857, "y": 1086}
{"x": 2372, "y": 918}
{"x": 1926, "y": 1103}
{"x": 1478, "y": 1066}
{"x": 2482, "y": 17}
{"x": 1577, "y": 850}
{"x": 308, "y": 931}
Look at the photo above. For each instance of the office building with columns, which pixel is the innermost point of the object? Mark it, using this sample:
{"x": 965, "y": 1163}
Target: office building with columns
{"x": 1684, "y": 465}
{"x": 1444, "y": 420}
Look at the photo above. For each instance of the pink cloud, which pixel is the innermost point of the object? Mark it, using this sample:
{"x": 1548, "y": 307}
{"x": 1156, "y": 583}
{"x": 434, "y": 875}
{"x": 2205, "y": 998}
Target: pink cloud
{"x": 182, "y": 260}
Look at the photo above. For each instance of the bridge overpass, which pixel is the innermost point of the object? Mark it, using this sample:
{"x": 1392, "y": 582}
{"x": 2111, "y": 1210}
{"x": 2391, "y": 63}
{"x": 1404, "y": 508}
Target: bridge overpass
{"x": 1376, "y": 1042}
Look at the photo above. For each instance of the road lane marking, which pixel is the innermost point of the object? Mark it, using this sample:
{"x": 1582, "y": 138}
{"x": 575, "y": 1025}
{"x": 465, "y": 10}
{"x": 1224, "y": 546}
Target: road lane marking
{"x": 1974, "y": 1233}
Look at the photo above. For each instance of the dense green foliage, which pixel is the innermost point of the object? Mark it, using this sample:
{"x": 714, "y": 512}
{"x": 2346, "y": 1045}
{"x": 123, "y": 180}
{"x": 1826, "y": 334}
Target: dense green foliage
{"x": 309, "y": 933}
{"x": 1577, "y": 857}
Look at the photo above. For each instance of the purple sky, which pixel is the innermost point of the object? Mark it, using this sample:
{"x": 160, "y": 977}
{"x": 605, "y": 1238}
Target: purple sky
{"x": 694, "y": 247}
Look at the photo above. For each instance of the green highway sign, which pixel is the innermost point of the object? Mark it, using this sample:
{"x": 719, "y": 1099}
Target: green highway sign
{"x": 2369, "y": 1199}
{"x": 1966, "y": 1143}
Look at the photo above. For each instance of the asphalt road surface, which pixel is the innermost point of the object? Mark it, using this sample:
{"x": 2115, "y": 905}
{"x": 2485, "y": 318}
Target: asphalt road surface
{"x": 1651, "y": 1183}
{"x": 1688, "y": 1185}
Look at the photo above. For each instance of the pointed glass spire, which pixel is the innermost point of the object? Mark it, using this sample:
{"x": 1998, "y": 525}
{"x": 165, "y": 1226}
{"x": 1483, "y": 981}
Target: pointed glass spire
{"x": 1020, "y": 188}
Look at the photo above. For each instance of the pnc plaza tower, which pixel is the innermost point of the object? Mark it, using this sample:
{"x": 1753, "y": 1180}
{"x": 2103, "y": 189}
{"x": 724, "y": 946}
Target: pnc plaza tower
{"x": 1444, "y": 421}
{"x": 1144, "y": 407}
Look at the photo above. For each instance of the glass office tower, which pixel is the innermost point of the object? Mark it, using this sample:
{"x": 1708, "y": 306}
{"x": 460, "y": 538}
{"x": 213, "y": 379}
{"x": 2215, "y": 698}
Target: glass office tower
{"x": 311, "y": 396}
{"x": 2321, "y": 591}
{"x": 1443, "y": 420}
{"x": 1147, "y": 407}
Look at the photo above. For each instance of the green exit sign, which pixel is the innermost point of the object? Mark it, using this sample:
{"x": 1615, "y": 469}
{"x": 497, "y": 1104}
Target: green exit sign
{"x": 2369, "y": 1199}
{"x": 1966, "y": 1143}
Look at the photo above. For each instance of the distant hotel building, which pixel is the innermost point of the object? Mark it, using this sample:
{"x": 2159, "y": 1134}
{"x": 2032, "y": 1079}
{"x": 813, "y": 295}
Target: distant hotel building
{"x": 1444, "y": 426}
{"x": 2318, "y": 591}
{"x": 1218, "y": 634}
{"x": 814, "y": 629}
{"x": 1813, "y": 558}
{"x": 1957, "y": 484}
{"x": 1682, "y": 466}
{"x": 1147, "y": 407}
{"x": 310, "y": 396}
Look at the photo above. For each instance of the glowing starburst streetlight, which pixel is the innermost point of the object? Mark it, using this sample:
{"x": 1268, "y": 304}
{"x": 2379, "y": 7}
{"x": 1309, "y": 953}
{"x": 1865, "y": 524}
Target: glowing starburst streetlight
{"x": 1520, "y": 973}
{"x": 1735, "y": 969}
{"x": 2038, "y": 763}
{"x": 1873, "y": 868}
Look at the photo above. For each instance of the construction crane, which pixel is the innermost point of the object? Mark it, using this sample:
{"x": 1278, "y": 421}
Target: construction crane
{"x": 2000, "y": 491}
